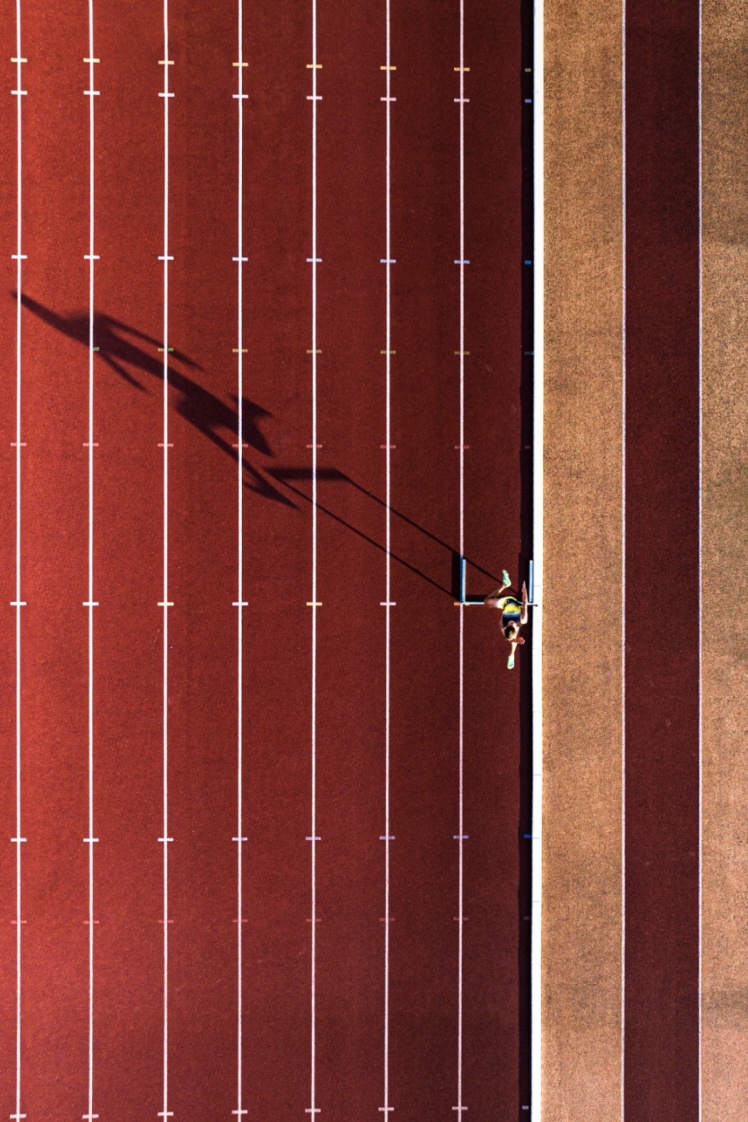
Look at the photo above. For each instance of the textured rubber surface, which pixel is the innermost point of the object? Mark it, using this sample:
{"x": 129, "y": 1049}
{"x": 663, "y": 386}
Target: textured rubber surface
{"x": 128, "y": 1045}
{"x": 662, "y": 563}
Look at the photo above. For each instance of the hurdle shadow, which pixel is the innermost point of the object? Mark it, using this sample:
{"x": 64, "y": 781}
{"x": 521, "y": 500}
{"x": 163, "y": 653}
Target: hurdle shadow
{"x": 290, "y": 477}
{"x": 454, "y": 588}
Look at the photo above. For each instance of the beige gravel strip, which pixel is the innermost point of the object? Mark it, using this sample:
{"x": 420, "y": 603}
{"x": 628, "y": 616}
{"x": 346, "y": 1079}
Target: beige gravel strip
{"x": 725, "y": 578}
{"x": 582, "y": 680}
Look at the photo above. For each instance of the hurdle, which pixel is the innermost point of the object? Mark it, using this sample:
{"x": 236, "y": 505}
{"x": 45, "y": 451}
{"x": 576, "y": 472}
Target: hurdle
{"x": 464, "y": 598}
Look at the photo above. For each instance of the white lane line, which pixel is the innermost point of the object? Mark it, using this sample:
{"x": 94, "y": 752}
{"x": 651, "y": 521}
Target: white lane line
{"x": 460, "y": 1107}
{"x": 165, "y": 602}
{"x": 18, "y": 601}
{"x": 314, "y": 98}
{"x": 240, "y": 260}
{"x": 92, "y": 257}
{"x": 538, "y": 445}
{"x": 623, "y": 557}
{"x": 701, "y": 510}
{"x": 387, "y": 604}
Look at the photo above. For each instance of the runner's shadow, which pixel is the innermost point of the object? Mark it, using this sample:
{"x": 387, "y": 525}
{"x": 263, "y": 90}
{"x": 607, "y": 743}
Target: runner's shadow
{"x": 120, "y": 346}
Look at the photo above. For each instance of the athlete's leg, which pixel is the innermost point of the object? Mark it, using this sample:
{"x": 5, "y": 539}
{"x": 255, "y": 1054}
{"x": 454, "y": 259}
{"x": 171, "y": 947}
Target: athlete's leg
{"x": 494, "y": 596}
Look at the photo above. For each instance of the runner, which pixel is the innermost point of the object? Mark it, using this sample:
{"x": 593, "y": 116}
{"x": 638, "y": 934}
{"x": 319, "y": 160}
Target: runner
{"x": 513, "y": 614}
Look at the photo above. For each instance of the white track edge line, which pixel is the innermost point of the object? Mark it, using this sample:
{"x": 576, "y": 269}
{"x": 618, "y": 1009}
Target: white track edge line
{"x": 165, "y": 715}
{"x": 90, "y": 598}
{"x": 18, "y": 755}
{"x": 313, "y": 1110}
{"x": 388, "y": 539}
{"x": 536, "y": 1003}
{"x": 240, "y": 582}
{"x": 461, "y": 761}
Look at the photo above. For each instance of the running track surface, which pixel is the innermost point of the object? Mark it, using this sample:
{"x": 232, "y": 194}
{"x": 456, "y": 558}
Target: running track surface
{"x": 663, "y": 549}
{"x": 334, "y": 1059}
{"x": 631, "y": 986}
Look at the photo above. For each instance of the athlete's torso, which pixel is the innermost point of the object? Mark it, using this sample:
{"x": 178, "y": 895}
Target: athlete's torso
{"x": 510, "y": 608}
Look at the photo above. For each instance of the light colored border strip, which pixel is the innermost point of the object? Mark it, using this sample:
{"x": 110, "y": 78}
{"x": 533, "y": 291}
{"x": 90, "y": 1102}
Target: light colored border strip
{"x": 90, "y": 604}
{"x": 537, "y": 617}
{"x": 240, "y": 604}
{"x": 18, "y": 603}
{"x": 724, "y": 532}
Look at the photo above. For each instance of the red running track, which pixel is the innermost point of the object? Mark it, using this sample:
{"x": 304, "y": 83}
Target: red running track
{"x": 129, "y": 1073}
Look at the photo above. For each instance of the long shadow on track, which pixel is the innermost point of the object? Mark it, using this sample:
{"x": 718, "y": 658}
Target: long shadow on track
{"x": 120, "y": 345}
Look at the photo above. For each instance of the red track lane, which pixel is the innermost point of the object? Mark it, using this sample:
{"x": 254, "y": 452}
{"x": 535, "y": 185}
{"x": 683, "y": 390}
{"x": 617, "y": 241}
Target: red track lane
{"x": 54, "y": 585}
{"x": 7, "y": 574}
{"x": 128, "y": 1070}
{"x": 662, "y": 564}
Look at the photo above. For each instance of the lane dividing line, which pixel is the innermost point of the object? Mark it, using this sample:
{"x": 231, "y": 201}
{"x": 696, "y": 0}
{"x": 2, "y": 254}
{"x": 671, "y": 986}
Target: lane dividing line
{"x": 165, "y": 602}
{"x": 92, "y": 257}
{"x": 388, "y": 261}
{"x": 462, "y": 262}
{"x": 314, "y": 603}
{"x": 240, "y": 603}
{"x": 18, "y": 602}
